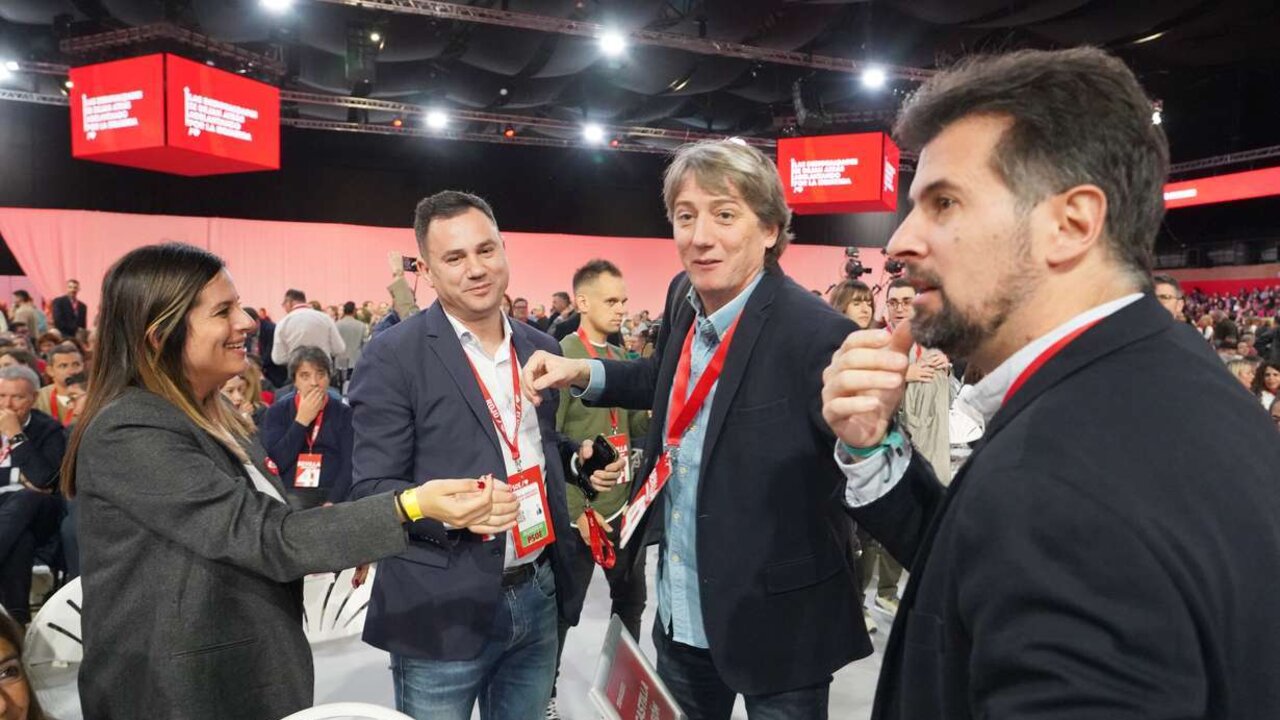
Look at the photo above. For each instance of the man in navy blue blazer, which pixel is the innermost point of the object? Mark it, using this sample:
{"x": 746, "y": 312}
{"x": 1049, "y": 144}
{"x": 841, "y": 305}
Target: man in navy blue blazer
{"x": 756, "y": 589}
{"x": 473, "y": 612}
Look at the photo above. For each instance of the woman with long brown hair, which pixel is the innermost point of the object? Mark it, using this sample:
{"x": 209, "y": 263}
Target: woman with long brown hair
{"x": 191, "y": 559}
{"x": 17, "y": 701}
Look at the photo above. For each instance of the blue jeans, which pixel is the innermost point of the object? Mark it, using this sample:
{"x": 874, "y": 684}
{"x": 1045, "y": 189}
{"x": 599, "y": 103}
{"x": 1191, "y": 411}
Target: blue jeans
{"x": 512, "y": 676}
{"x": 691, "y": 676}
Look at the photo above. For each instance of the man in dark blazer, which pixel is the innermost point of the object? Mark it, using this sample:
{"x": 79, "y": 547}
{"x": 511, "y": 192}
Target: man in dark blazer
{"x": 756, "y": 589}
{"x": 464, "y": 612}
{"x": 31, "y": 448}
{"x": 1111, "y": 547}
{"x": 69, "y": 314}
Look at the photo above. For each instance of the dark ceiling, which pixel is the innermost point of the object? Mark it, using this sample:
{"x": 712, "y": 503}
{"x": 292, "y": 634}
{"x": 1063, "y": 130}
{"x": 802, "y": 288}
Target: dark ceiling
{"x": 1216, "y": 67}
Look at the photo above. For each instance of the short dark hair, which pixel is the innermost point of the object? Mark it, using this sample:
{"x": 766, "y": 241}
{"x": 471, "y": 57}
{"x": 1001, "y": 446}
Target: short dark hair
{"x": 295, "y": 295}
{"x": 24, "y": 357}
{"x": 80, "y": 378}
{"x": 591, "y": 271}
{"x": 22, "y": 295}
{"x": 1169, "y": 280}
{"x": 562, "y": 295}
{"x": 898, "y": 283}
{"x": 442, "y": 206}
{"x": 66, "y": 348}
{"x": 1078, "y": 116}
{"x": 309, "y": 354}
{"x": 519, "y": 300}
{"x": 349, "y": 308}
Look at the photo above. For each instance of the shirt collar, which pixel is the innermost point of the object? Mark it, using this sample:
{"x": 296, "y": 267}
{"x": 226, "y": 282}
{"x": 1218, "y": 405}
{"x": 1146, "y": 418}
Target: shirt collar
{"x": 987, "y": 395}
{"x": 466, "y": 337}
{"x": 719, "y": 321}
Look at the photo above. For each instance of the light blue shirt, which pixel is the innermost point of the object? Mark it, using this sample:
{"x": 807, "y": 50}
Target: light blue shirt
{"x": 679, "y": 599}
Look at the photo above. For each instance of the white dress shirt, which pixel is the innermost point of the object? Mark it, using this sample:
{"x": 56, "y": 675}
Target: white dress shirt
{"x": 870, "y": 479}
{"x": 495, "y": 371}
{"x": 305, "y": 326}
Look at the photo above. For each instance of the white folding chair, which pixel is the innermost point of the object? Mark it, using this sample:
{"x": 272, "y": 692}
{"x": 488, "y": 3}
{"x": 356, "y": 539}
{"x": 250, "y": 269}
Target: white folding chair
{"x": 331, "y": 608}
{"x": 348, "y": 711}
{"x": 53, "y": 652}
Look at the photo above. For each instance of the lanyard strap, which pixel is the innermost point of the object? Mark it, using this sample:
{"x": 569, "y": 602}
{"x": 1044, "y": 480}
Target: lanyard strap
{"x": 513, "y": 442}
{"x": 315, "y": 425}
{"x": 601, "y": 548}
{"x": 685, "y": 406}
{"x": 1043, "y": 358}
{"x": 591, "y": 351}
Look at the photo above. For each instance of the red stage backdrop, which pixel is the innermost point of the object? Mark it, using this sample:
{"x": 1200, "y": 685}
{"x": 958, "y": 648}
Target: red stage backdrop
{"x": 335, "y": 263}
{"x": 166, "y": 113}
{"x": 827, "y": 174}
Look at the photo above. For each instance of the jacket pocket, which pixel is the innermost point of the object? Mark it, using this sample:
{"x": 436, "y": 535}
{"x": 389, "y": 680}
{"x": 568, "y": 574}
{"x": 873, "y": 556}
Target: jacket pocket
{"x": 795, "y": 574}
{"x": 426, "y": 555}
{"x": 756, "y": 414}
{"x": 216, "y": 647}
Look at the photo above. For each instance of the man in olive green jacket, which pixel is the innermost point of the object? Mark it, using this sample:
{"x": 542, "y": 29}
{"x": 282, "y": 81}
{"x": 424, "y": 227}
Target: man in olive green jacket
{"x": 601, "y": 297}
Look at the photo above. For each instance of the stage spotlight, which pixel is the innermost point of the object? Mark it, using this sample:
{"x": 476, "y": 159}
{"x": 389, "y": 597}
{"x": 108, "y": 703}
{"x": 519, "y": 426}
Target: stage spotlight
{"x": 436, "y": 120}
{"x": 873, "y": 78}
{"x": 68, "y": 84}
{"x": 1157, "y": 112}
{"x": 508, "y": 132}
{"x": 375, "y": 37}
{"x": 614, "y": 142}
{"x": 277, "y": 6}
{"x": 397, "y": 123}
{"x": 613, "y": 43}
{"x": 592, "y": 133}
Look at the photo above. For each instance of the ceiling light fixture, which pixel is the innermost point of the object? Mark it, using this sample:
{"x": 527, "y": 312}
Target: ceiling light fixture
{"x": 509, "y": 132}
{"x": 1149, "y": 38}
{"x": 397, "y": 123}
{"x": 375, "y": 36}
{"x": 436, "y": 120}
{"x": 614, "y": 142}
{"x": 277, "y": 6}
{"x": 612, "y": 43}
{"x": 1157, "y": 112}
{"x": 592, "y": 133}
{"x": 873, "y": 78}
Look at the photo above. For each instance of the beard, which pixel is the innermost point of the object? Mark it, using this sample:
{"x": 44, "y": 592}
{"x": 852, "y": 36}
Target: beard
{"x": 959, "y": 332}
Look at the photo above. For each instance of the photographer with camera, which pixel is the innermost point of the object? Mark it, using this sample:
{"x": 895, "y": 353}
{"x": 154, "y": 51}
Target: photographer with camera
{"x": 596, "y": 507}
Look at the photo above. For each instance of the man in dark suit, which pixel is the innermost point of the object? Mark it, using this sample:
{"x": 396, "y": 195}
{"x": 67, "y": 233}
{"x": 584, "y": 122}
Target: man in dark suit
{"x": 1110, "y": 548}
{"x": 756, "y": 588}
{"x": 69, "y": 314}
{"x": 466, "y": 612}
{"x": 31, "y": 448}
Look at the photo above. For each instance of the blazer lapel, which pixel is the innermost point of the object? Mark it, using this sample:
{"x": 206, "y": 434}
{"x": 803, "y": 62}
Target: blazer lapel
{"x": 1140, "y": 319}
{"x": 750, "y": 324}
{"x": 444, "y": 342}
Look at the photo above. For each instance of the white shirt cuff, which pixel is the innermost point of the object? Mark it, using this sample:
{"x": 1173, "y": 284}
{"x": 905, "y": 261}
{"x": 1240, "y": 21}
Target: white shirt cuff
{"x": 869, "y": 479}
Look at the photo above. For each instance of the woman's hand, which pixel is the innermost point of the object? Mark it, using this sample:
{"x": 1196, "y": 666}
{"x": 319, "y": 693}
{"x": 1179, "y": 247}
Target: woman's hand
{"x": 461, "y": 503}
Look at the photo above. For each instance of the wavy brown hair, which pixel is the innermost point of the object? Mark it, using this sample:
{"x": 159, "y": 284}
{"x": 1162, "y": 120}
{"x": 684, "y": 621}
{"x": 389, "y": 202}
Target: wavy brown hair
{"x": 142, "y": 328}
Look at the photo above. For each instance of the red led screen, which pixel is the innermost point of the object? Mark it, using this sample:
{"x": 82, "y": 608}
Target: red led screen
{"x": 839, "y": 173}
{"x": 1222, "y": 188}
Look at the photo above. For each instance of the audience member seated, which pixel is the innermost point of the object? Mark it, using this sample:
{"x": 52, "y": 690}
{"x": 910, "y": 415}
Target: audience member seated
{"x": 307, "y": 434}
{"x": 1266, "y": 382}
{"x": 12, "y": 356}
{"x": 17, "y": 701}
{"x": 32, "y": 445}
{"x": 245, "y": 397}
{"x": 55, "y": 399}
{"x": 1244, "y": 370}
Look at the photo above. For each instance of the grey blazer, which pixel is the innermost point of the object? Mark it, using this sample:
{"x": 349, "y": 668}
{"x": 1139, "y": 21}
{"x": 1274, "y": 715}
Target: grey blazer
{"x": 192, "y": 591}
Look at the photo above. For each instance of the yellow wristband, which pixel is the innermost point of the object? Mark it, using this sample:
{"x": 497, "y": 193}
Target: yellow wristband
{"x": 409, "y": 501}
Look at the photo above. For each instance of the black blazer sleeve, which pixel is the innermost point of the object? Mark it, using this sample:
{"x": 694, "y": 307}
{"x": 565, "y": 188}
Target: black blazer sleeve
{"x": 900, "y": 519}
{"x": 40, "y": 458}
{"x": 383, "y": 461}
{"x": 631, "y": 384}
{"x": 283, "y": 439}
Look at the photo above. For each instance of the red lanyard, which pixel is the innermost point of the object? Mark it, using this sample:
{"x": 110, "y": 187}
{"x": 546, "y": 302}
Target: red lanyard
{"x": 685, "y": 406}
{"x": 1043, "y": 358}
{"x": 57, "y": 412}
{"x": 315, "y": 427}
{"x": 591, "y": 350}
{"x": 513, "y": 442}
{"x": 602, "y": 550}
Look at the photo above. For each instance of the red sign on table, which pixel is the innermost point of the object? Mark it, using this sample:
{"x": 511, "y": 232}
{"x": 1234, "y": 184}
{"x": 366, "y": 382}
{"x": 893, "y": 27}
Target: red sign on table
{"x": 626, "y": 687}
{"x": 827, "y": 174}
{"x": 166, "y": 113}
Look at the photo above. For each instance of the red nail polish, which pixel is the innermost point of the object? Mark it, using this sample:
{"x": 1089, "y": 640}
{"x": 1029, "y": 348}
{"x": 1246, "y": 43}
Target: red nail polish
{"x": 480, "y": 484}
